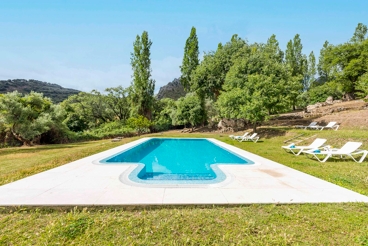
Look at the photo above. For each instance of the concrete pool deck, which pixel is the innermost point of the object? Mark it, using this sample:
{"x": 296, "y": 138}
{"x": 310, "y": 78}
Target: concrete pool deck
{"x": 83, "y": 182}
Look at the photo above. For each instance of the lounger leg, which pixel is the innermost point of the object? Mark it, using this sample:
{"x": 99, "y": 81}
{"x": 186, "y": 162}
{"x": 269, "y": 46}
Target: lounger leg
{"x": 327, "y": 156}
{"x": 300, "y": 151}
{"x": 363, "y": 156}
{"x": 312, "y": 155}
{"x": 352, "y": 157}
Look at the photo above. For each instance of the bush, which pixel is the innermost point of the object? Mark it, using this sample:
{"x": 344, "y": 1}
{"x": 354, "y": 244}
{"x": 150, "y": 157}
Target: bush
{"x": 362, "y": 86}
{"x": 140, "y": 123}
{"x": 321, "y": 93}
{"x": 110, "y": 129}
{"x": 164, "y": 110}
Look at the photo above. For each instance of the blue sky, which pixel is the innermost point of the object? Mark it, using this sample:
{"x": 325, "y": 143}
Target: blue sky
{"x": 86, "y": 45}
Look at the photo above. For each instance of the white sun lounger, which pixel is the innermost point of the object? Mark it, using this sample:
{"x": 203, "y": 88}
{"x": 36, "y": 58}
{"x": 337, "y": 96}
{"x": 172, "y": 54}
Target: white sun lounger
{"x": 350, "y": 149}
{"x": 253, "y": 138}
{"x": 314, "y": 123}
{"x": 238, "y": 137}
{"x": 297, "y": 150}
{"x": 332, "y": 125}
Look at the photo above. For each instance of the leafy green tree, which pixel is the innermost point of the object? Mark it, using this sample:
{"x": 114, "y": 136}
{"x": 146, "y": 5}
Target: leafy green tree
{"x": 297, "y": 63}
{"x": 255, "y": 85}
{"x": 117, "y": 99}
{"x": 190, "y": 59}
{"x": 189, "y": 111}
{"x": 309, "y": 77}
{"x": 143, "y": 86}
{"x": 322, "y": 92}
{"x": 164, "y": 111}
{"x": 324, "y": 67}
{"x": 87, "y": 110}
{"x": 140, "y": 123}
{"x": 346, "y": 63}
{"x": 27, "y": 117}
{"x": 209, "y": 77}
{"x": 362, "y": 86}
{"x": 359, "y": 34}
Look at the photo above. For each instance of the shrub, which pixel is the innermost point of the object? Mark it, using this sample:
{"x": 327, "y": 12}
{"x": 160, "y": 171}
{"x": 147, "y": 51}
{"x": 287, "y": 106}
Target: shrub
{"x": 140, "y": 123}
{"x": 362, "y": 86}
{"x": 110, "y": 129}
{"x": 321, "y": 93}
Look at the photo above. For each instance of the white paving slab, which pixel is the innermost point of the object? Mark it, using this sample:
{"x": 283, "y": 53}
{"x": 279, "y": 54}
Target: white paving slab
{"x": 87, "y": 182}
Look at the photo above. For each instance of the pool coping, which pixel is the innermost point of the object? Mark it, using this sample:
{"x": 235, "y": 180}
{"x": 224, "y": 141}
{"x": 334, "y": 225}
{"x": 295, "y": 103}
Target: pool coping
{"x": 134, "y": 168}
{"x": 83, "y": 183}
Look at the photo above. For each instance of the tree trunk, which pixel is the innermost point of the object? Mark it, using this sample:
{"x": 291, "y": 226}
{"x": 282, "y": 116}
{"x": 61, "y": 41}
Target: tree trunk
{"x": 20, "y": 138}
{"x": 255, "y": 127}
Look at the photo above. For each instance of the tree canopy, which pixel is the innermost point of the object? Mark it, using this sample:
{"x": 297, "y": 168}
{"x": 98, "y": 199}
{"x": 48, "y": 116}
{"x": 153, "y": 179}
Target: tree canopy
{"x": 28, "y": 116}
{"x": 143, "y": 86}
{"x": 190, "y": 59}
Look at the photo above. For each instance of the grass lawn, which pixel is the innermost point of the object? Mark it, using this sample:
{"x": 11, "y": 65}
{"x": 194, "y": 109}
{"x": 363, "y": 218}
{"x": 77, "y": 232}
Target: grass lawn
{"x": 316, "y": 224}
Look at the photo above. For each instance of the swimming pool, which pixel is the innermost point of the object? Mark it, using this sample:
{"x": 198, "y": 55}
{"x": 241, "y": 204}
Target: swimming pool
{"x": 176, "y": 161}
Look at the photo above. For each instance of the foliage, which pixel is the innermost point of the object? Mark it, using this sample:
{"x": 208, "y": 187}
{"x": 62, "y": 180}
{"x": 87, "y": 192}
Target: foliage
{"x": 164, "y": 111}
{"x": 118, "y": 102}
{"x": 53, "y": 91}
{"x": 27, "y": 117}
{"x": 211, "y": 110}
{"x": 297, "y": 63}
{"x": 143, "y": 86}
{"x": 309, "y": 76}
{"x": 255, "y": 85}
{"x": 324, "y": 69}
{"x": 189, "y": 111}
{"x": 87, "y": 110}
{"x": 322, "y": 92}
{"x": 360, "y": 33}
{"x": 111, "y": 129}
{"x": 362, "y": 86}
{"x": 190, "y": 59}
{"x": 140, "y": 123}
{"x": 209, "y": 77}
{"x": 346, "y": 63}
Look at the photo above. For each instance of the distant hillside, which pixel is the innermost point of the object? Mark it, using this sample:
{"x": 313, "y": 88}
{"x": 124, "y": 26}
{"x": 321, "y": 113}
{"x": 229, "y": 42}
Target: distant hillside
{"x": 172, "y": 90}
{"x": 53, "y": 91}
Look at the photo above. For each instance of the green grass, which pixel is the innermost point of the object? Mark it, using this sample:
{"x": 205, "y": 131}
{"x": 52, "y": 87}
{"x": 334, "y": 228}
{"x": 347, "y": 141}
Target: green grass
{"x": 304, "y": 224}
{"x": 319, "y": 224}
{"x": 17, "y": 163}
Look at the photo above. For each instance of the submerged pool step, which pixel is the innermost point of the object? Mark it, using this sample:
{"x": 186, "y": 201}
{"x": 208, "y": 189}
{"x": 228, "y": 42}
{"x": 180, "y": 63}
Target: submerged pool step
{"x": 180, "y": 176}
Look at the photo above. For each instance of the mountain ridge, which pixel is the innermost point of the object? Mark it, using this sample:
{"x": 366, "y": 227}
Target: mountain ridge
{"x": 56, "y": 92}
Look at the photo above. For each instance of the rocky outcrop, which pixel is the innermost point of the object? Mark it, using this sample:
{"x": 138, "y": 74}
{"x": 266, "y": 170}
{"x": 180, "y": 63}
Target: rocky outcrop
{"x": 173, "y": 90}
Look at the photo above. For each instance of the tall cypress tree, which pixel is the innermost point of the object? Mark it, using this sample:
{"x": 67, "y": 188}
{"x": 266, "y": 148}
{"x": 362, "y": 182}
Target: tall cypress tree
{"x": 190, "y": 59}
{"x": 297, "y": 63}
{"x": 142, "y": 86}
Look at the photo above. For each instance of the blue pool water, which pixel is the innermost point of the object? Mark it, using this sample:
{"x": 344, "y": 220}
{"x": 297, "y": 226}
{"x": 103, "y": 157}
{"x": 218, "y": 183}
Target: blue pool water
{"x": 177, "y": 159}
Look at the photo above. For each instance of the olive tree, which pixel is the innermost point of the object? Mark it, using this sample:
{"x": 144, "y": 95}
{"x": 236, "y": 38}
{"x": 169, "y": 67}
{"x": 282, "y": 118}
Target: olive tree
{"x": 27, "y": 117}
